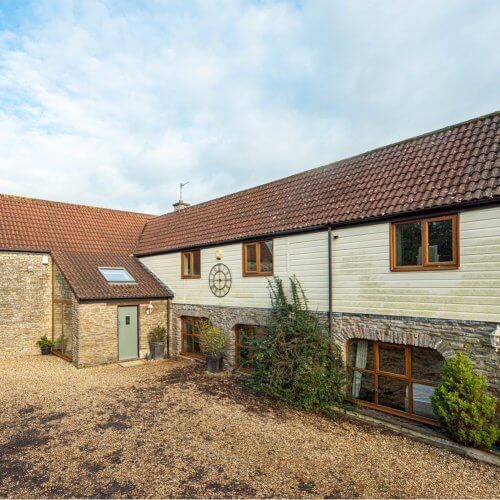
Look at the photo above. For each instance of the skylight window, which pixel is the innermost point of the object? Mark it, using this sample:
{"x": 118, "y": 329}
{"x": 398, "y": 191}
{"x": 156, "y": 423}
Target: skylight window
{"x": 116, "y": 275}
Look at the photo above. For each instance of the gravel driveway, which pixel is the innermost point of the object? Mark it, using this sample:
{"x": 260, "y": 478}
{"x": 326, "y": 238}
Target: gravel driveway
{"x": 167, "y": 429}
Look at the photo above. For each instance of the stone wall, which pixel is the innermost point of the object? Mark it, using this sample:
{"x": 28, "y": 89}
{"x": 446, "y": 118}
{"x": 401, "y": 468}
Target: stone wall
{"x": 147, "y": 321}
{"x": 445, "y": 336}
{"x": 97, "y": 324}
{"x": 225, "y": 318}
{"x": 25, "y": 302}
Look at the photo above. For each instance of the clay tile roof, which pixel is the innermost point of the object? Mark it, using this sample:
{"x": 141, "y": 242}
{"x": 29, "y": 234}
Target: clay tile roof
{"x": 81, "y": 239}
{"x": 444, "y": 168}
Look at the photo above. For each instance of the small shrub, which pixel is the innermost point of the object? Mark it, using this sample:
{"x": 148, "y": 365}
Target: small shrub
{"x": 296, "y": 361}
{"x": 212, "y": 339}
{"x": 462, "y": 405}
{"x": 157, "y": 334}
{"x": 44, "y": 342}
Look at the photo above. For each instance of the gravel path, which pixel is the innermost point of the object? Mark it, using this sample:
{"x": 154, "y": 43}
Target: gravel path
{"x": 168, "y": 429}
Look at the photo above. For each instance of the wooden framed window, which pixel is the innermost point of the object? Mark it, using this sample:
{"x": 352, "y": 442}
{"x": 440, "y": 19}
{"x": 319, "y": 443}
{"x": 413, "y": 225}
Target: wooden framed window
{"x": 258, "y": 258}
{"x": 394, "y": 378}
{"x": 190, "y": 333}
{"x": 425, "y": 244}
{"x": 191, "y": 264}
{"x": 245, "y": 335}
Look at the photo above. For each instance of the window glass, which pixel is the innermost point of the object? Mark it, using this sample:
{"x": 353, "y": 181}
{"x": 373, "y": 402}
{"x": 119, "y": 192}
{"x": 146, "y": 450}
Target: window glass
{"x": 426, "y": 364}
{"x": 422, "y": 400}
{"x": 392, "y": 359}
{"x": 361, "y": 354}
{"x": 393, "y": 393}
{"x": 362, "y": 386}
{"x": 409, "y": 244}
{"x": 116, "y": 275}
{"x": 266, "y": 256}
{"x": 251, "y": 256}
{"x": 440, "y": 241}
{"x": 187, "y": 263}
{"x": 196, "y": 263}
{"x": 246, "y": 335}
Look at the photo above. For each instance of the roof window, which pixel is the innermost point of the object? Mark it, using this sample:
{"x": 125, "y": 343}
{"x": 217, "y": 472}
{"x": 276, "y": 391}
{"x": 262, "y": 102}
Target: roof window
{"x": 116, "y": 275}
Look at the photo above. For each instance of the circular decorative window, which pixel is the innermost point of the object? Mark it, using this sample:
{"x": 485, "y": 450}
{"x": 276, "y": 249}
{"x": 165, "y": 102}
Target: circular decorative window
{"x": 219, "y": 280}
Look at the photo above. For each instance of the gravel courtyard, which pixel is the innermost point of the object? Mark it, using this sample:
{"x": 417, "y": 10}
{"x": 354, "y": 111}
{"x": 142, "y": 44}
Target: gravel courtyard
{"x": 168, "y": 429}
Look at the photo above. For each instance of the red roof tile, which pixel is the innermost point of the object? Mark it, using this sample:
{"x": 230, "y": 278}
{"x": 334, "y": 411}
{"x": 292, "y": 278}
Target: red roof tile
{"x": 444, "y": 168}
{"x": 80, "y": 238}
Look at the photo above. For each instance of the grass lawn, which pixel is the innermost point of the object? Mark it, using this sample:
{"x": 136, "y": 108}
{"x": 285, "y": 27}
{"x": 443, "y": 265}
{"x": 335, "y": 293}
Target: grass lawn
{"x": 168, "y": 429}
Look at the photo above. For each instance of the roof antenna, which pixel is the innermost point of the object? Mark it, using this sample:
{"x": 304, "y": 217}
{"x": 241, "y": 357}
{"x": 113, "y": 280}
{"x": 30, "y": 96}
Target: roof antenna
{"x": 181, "y": 185}
{"x": 180, "y": 204}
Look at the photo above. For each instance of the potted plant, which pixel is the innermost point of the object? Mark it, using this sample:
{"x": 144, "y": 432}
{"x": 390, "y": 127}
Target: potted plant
{"x": 213, "y": 345}
{"x": 45, "y": 345}
{"x": 156, "y": 337}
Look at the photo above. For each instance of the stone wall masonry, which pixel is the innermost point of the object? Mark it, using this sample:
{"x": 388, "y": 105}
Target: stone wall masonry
{"x": 97, "y": 324}
{"x": 445, "y": 336}
{"x": 62, "y": 289}
{"x": 225, "y": 318}
{"x": 25, "y": 302}
{"x": 148, "y": 321}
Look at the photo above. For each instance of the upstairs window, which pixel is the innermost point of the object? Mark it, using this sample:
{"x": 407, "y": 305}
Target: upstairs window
{"x": 258, "y": 258}
{"x": 116, "y": 275}
{"x": 190, "y": 264}
{"x": 425, "y": 244}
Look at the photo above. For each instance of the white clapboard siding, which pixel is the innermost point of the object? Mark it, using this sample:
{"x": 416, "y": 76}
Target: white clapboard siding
{"x": 362, "y": 280}
{"x": 303, "y": 255}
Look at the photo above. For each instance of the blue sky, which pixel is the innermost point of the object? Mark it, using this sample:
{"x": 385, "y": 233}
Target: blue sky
{"x": 115, "y": 103}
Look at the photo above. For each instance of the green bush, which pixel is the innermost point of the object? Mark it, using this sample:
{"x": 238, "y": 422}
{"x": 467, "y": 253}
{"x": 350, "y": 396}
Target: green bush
{"x": 44, "y": 342}
{"x": 296, "y": 361}
{"x": 212, "y": 339}
{"x": 157, "y": 334}
{"x": 464, "y": 409}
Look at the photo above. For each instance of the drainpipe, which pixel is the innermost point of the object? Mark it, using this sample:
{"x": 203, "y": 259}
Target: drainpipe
{"x": 169, "y": 302}
{"x": 330, "y": 293}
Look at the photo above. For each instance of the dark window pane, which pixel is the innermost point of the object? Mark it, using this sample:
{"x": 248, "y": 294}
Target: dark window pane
{"x": 251, "y": 258}
{"x": 440, "y": 241}
{"x": 422, "y": 400}
{"x": 196, "y": 345}
{"x": 426, "y": 364}
{"x": 266, "y": 256}
{"x": 362, "y": 386}
{"x": 392, "y": 360}
{"x": 187, "y": 263}
{"x": 393, "y": 393}
{"x": 409, "y": 244}
{"x": 361, "y": 354}
{"x": 187, "y": 343}
{"x": 244, "y": 355}
{"x": 196, "y": 263}
{"x": 187, "y": 326}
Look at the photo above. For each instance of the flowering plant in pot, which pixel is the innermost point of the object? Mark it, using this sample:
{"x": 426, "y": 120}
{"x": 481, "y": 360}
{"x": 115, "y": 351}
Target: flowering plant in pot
{"x": 45, "y": 345}
{"x": 213, "y": 345}
{"x": 156, "y": 337}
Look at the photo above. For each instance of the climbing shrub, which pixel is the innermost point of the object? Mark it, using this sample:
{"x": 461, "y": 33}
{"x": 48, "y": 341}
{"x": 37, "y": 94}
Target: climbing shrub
{"x": 462, "y": 405}
{"x": 296, "y": 361}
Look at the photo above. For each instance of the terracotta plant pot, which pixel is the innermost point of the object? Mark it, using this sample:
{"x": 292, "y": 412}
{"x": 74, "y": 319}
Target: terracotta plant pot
{"x": 157, "y": 350}
{"x": 214, "y": 363}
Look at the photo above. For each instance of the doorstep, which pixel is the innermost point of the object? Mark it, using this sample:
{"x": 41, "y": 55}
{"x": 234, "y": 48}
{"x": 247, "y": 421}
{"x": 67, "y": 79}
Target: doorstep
{"x": 423, "y": 434}
{"x": 134, "y": 362}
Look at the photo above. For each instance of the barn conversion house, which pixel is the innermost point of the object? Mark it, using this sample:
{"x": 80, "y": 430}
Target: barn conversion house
{"x": 397, "y": 248}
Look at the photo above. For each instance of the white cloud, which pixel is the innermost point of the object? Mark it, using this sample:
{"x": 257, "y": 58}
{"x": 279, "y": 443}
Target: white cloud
{"x": 114, "y": 104}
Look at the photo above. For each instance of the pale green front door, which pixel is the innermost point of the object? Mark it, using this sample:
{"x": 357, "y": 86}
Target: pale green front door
{"x": 128, "y": 333}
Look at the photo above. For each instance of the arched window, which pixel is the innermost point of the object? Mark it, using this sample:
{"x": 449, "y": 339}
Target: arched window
{"x": 245, "y": 334}
{"x": 394, "y": 378}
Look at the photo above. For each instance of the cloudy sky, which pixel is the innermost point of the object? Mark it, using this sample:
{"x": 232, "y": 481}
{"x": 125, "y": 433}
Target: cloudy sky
{"x": 115, "y": 103}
